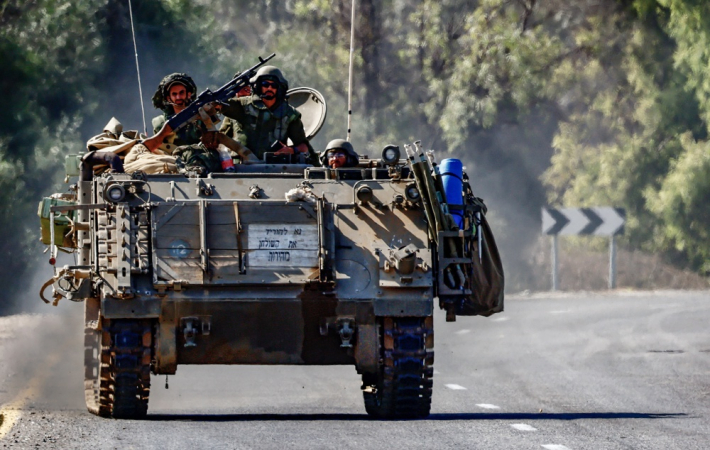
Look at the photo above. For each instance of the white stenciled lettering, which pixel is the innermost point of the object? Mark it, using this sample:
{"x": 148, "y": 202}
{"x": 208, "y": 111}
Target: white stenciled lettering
{"x": 279, "y": 256}
{"x": 269, "y": 243}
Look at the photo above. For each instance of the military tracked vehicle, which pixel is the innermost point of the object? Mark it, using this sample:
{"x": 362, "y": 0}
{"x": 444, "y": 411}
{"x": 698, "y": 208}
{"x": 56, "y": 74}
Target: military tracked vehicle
{"x": 275, "y": 263}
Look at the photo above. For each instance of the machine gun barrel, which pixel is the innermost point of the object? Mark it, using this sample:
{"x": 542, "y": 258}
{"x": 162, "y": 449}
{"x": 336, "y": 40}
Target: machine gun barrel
{"x": 204, "y": 102}
{"x": 208, "y": 97}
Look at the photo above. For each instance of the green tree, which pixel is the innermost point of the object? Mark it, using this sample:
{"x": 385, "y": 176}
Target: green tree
{"x": 67, "y": 69}
{"x": 628, "y": 144}
{"x": 681, "y": 204}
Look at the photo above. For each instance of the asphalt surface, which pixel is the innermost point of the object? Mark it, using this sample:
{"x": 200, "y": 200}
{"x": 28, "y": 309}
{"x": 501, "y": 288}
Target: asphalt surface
{"x": 554, "y": 371}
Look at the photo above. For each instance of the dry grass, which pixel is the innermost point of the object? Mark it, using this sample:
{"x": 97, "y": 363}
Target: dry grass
{"x": 583, "y": 269}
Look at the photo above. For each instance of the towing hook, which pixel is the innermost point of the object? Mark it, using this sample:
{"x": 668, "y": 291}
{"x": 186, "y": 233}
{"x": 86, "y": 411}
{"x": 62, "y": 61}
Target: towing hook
{"x": 345, "y": 327}
{"x": 189, "y": 332}
{"x": 192, "y": 326}
{"x": 346, "y": 332}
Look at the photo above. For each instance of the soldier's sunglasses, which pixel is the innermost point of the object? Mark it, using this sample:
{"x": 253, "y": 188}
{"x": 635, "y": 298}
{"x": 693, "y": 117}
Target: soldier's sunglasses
{"x": 331, "y": 155}
{"x": 268, "y": 84}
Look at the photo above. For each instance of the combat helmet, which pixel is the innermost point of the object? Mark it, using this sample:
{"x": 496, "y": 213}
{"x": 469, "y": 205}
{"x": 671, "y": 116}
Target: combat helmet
{"x": 161, "y": 96}
{"x": 340, "y": 144}
{"x": 269, "y": 72}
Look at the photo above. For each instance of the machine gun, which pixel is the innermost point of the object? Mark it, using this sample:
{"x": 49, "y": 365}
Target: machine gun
{"x": 204, "y": 104}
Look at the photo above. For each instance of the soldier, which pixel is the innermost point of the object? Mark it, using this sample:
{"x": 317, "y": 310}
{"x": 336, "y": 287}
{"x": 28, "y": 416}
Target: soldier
{"x": 339, "y": 153}
{"x": 265, "y": 118}
{"x": 175, "y": 92}
{"x": 204, "y": 155}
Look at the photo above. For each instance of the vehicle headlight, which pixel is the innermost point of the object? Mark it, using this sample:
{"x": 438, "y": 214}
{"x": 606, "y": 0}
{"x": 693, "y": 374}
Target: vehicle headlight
{"x": 115, "y": 193}
{"x": 364, "y": 194}
{"x": 390, "y": 155}
{"x": 412, "y": 193}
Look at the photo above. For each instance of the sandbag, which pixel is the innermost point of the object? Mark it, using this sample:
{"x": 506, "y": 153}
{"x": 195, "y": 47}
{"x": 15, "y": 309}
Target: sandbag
{"x": 140, "y": 158}
{"x": 114, "y": 139}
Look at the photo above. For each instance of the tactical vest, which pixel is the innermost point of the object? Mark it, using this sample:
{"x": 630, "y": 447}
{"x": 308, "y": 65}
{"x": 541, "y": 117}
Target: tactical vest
{"x": 262, "y": 126}
{"x": 199, "y": 155}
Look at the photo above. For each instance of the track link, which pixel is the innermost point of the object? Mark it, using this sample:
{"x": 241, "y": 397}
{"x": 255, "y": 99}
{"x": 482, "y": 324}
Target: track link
{"x": 403, "y": 387}
{"x": 117, "y": 379}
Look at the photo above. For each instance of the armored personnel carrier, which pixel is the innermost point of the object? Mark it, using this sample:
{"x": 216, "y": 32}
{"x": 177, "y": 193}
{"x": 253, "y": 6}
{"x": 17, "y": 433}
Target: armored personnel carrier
{"x": 273, "y": 264}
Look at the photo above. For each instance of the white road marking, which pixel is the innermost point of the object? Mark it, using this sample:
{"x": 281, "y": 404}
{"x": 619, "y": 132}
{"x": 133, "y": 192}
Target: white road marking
{"x": 455, "y": 387}
{"x": 555, "y": 447}
{"x": 463, "y": 331}
{"x": 487, "y": 406}
{"x": 500, "y": 319}
{"x": 523, "y": 427}
{"x": 436, "y": 372}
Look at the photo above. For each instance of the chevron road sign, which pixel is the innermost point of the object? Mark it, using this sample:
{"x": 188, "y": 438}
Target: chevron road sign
{"x": 598, "y": 221}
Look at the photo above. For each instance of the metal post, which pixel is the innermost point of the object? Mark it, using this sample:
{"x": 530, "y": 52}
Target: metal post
{"x": 612, "y": 262}
{"x": 555, "y": 264}
{"x": 350, "y": 70}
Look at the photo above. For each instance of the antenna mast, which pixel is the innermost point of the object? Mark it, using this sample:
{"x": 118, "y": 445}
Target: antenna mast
{"x": 138, "y": 70}
{"x": 350, "y": 71}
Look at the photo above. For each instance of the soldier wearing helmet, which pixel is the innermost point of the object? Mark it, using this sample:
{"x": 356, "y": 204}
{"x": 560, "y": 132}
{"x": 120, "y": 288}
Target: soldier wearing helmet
{"x": 194, "y": 145}
{"x": 175, "y": 92}
{"x": 265, "y": 118}
{"x": 339, "y": 153}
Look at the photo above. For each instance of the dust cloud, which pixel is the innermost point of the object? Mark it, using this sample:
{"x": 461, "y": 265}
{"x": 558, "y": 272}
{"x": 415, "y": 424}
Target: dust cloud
{"x": 41, "y": 363}
{"x": 505, "y": 166}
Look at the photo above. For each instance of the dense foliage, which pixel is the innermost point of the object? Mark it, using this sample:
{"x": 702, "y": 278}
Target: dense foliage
{"x": 579, "y": 103}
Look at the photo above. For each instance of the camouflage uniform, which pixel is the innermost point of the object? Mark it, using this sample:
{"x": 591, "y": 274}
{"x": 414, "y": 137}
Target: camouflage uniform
{"x": 197, "y": 155}
{"x": 251, "y": 123}
{"x": 189, "y": 134}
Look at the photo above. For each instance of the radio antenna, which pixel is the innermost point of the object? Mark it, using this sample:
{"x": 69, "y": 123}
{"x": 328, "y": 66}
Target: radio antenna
{"x": 138, "y": 69}
{"x": 350, "y": 71}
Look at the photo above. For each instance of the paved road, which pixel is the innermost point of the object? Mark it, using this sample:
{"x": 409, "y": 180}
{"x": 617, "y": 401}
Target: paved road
{"x": 563, "y": 371}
